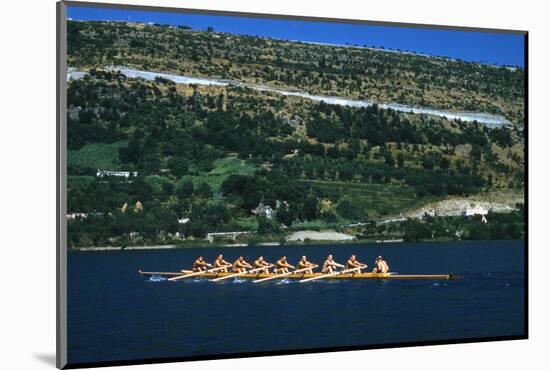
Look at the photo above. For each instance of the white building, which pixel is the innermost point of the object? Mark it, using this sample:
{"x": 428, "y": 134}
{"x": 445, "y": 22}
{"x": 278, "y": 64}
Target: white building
{"x": 107, "y": 173}
{"x": 76, "y": 215}
{"x": 262, "y": 210}
{"x": 476, "y": 211}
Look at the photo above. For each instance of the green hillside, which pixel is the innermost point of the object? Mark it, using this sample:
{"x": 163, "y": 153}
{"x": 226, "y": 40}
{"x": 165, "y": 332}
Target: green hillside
{"x": 213, "y": 154}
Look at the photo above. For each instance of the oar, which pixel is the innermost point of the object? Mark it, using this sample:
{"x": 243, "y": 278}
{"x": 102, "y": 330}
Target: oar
{"x": 332, "y": 274}
{"x": 241, "y": 273}
{"x": 196, "y": 273}
{"x": 278, "y": 276}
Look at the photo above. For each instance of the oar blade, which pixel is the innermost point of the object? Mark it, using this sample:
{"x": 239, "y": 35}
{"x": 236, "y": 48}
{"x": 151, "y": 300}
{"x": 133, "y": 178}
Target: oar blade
{"x": 229, "y": 276}
{"x": 331, "y": 274}
{"x": 279, "y": 276}
{"x": 241, "y": 273}
{"x": 185, "y": 276}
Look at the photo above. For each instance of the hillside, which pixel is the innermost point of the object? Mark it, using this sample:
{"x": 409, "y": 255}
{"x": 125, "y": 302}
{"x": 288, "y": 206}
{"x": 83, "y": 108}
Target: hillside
{"x": 322, "y": 69}
{"x": 217, "y": 156}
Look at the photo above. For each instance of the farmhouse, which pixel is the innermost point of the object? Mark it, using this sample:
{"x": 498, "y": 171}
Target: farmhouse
{"x": 262, "y": 210}
{"x": 476, "y": 211}
{"x": 107, "y": 173}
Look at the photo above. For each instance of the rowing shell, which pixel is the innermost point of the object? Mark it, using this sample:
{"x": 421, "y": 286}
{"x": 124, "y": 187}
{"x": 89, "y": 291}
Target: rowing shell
{"x": 363, "y": 276}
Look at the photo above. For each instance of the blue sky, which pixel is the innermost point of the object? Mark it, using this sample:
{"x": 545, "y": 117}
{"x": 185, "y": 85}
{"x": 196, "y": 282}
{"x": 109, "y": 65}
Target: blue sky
{"x": 485, "y": 47}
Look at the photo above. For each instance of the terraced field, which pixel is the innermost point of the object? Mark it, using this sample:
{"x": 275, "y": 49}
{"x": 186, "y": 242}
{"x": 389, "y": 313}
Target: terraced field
{"x": 223, "y": 168}
{"x": 96, "y": 156}
{"x": 381, "y": 201}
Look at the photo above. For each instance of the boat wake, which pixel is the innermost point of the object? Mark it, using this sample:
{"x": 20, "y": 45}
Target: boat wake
{"x": 156, "y": 278}
{"x": 284, "y": 282}
{"x": 238, "y": 280}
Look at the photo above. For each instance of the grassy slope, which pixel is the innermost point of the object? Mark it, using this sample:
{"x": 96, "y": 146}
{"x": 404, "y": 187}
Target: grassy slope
{"x": 379, "y": 200}
{"x": 223, "y": 168}
{"x": 96, "y": 155}
{"x": 342, "y": 71}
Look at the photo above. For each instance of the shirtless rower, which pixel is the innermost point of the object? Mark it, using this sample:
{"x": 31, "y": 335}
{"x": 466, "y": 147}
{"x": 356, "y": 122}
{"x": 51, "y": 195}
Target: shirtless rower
{"x": 240, "y": 265}
{"x": 220, "y": 262}
{"x": 200, "y": 265}
{"x": 353, "y": 263}
{"x": 261, "y": 262}
{"x": 303, "y": 263}
{"x": 330, "y": 266}
{"x": 282, "y": 266}
{"x": 380, "y": 266}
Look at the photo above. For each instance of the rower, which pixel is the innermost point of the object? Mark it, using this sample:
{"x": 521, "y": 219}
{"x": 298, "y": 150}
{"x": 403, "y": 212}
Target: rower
{"x": 380, "y": 266}
{"x": 282, "y": 266}
{"x": 262, "y": 264}
{"x": 303, "y": 263}
{"x": 220, "y": 262}
{"x": 330, "y": 266}
{"x": 354, "y": 263}
{"x": 240, "y": 265}
{"x": 200, "y": 265}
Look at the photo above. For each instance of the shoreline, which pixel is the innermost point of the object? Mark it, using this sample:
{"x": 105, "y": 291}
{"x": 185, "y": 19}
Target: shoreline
{"x": 366, "y": 242}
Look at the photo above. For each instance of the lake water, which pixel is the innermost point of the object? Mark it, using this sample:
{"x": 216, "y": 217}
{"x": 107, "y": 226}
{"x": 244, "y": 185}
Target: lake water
{"x": 116, "y": 314}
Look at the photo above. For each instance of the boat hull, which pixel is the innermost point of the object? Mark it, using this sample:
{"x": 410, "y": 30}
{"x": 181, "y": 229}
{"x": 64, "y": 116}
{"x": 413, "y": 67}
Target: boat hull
{"x": 361, "y": 276}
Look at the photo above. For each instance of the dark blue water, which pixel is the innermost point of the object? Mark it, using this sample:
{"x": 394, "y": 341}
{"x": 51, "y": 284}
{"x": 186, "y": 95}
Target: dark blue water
{"x": 116, "y": 314}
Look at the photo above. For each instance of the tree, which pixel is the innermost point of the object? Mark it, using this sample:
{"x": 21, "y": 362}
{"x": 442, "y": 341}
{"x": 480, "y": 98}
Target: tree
{"x": 479, "y": 231}
{"x": 416, "y": 230}
{"x": 132, "y": 152}
{"x": 185, "y": 189}
{"x": 514, "y": 231}
{"x": 203, "y": 191}
{"x": 285, "y": 216}
{"x": 311, "y": 207}
{"x": 350, "y": 209}
{"x": 388, "y": 158}
{"x": 400, "y": 160}
{"x": 444, "y": 163}
{"x": 167, "y": 188}
{"x": 245, "y": 187}
{"x": 329, "y": 216}
{"x": 178, "y": 166}
{"x": 267, "y": 226}
{"x": 354, "y": 149}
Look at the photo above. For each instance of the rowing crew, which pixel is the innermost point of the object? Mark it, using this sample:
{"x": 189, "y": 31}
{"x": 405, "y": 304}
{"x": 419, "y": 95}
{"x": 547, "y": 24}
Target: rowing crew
{"x": 282, "y": 266}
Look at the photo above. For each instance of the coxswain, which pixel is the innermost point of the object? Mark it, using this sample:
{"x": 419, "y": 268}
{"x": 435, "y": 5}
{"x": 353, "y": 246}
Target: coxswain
{"x": 303, "y": 263}
{"x": 380, "y": 266}
{"x": 262, "y": 264}
{"x": 282, "y": 266}
{"x": 240, "y": 265}
{"x": 330, "y": 266}
{"x": 220, "y": 262}
{"x": 353, "y": 263}
{"x": 200, "y": 265}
